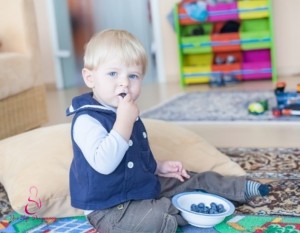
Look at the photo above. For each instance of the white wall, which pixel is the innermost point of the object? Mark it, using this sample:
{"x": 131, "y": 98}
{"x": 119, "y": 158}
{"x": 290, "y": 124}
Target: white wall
{"x": 45, "y": 39}
{"x": 287, "y": 36}
{"x": 169, "y": 42}
{"x": 286, "y": 30}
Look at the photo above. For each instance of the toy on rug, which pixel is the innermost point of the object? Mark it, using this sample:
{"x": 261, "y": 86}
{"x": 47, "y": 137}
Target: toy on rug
{"x": 258, "y": 107}
{"x": 288, "y": 102}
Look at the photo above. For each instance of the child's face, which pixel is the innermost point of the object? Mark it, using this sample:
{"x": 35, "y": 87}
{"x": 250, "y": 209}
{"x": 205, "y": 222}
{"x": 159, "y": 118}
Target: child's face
{"x": 112, "y": 79}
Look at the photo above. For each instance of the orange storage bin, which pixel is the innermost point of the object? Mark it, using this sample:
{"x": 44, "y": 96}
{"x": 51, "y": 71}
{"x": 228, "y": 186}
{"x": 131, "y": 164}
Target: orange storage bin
{"x": 225, "y": 42}
{"x": 222, "y": 41}
{"x": 228, "y": 63}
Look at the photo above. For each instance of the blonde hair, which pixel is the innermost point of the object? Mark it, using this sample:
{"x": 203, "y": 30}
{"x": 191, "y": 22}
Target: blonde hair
{"x": 112, "y": 43}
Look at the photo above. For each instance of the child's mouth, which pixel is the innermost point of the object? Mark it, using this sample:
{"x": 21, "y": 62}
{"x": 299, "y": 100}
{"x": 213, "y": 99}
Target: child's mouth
{"x": 122, "y": 95}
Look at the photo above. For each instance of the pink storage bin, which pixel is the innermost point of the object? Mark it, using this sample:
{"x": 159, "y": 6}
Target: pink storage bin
{"x": 256, "y": 70}
{"x": 257, "y": 55}
{"x": 256, "y": 64}
{"x": 222, "y": 12}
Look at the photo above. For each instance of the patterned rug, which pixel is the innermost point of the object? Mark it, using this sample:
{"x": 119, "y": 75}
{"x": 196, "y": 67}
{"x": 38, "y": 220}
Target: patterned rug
{"x": 250, "y": 224}
{"x": 267, "y": 224}
{"x": 5, "y": 207}
{"x": 277, "y": 166}
{"x": 17, "y": 223}
{"x": 216, "y": 106}
{"x": 267, "y": 163}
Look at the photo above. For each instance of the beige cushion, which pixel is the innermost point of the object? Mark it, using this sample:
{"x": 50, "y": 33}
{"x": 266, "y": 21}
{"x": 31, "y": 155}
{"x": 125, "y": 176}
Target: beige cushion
{"x": 172, "y": 142}
{"x": 35, "y": 165}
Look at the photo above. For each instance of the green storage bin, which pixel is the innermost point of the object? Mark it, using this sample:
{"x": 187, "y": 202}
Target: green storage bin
{"x": 255, "y": 40}
{"x": 255, "y": 34}
{"x": 191, "y": 43}
{"x": 196, "y": 44}
{"x": 254, "y": 25}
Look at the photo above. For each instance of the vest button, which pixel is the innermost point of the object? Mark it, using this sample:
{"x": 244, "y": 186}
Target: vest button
{"x": 130, "y": 142}
{"x": 144, "y": 134}
{"x": 130, "y": 164}
{"x": 120, "y": 207}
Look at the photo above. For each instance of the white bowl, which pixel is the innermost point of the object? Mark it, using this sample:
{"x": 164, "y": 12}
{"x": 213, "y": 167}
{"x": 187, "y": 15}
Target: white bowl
{"x": 183, "y": 202}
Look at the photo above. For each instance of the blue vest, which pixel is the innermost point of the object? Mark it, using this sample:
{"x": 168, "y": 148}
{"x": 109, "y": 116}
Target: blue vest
{"x": 133, "y": 179}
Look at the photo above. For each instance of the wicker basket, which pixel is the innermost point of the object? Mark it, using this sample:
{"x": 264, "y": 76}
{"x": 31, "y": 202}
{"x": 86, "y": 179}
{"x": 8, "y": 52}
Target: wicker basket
{"x": 23, "y": 111}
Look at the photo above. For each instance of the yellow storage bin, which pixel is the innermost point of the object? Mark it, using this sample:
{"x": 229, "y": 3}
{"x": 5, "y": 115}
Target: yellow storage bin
{"x": 253, "y": 9}
{"x": 205, "y": 59}
{"x": 196, "y": 74}
{"x": 196, "y": 80}
{"x": 197, "y": 68}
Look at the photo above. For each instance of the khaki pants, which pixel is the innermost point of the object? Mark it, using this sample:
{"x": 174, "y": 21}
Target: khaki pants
{"x": 159, "y": 215}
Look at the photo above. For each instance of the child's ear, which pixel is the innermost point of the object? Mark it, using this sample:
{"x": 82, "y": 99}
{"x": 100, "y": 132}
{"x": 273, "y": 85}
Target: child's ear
{"x": 88, "y": 77}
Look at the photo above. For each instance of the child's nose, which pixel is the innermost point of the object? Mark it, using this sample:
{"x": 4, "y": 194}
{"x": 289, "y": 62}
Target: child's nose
{"x": 124, "y": 81}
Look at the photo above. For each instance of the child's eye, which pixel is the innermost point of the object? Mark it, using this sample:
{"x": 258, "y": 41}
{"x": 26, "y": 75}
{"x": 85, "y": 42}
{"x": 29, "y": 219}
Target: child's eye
{"x": 112, "y": 74}
{"x": 133, "y": 76}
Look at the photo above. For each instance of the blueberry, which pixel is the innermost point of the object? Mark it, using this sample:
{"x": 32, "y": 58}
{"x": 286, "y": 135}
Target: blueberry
{"x": 221, "y": 208}
{"x": 213, "y": 208}
{"x": 194, "y": 207}
{"x": 213, "y": 205}
{"x": 207, "y": 209}
{"x": 213, "y": 211}
{"x": 201, "y": 205}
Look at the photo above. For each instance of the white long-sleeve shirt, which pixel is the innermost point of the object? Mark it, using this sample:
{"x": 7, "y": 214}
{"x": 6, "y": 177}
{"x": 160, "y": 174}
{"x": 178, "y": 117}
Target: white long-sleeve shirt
{"x": 103, "y": 150}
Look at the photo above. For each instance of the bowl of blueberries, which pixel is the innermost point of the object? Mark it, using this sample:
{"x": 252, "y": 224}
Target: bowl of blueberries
{"x": 202, "y": 209}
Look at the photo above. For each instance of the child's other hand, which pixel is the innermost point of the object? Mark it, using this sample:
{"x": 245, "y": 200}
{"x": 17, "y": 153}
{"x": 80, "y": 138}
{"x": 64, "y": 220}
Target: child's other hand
{"x": 172, "y": 169}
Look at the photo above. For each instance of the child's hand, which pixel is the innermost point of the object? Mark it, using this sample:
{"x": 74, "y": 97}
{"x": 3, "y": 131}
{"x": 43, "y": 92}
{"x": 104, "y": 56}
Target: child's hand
{"x": 171, "y": 169}
{"x": 127, "y": 110}
{"x": 127, "y": 113}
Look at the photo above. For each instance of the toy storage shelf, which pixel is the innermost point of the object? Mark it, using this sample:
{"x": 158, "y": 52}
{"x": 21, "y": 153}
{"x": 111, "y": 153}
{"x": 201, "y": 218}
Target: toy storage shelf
{"x": 235, "y": 39}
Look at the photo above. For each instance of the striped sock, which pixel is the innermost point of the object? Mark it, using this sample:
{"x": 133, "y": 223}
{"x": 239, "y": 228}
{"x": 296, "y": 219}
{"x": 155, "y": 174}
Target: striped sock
{"x": 254, "y": 189}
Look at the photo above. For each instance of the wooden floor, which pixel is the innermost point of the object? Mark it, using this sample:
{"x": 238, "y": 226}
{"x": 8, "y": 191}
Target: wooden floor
{"x": 254, "y": 134}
